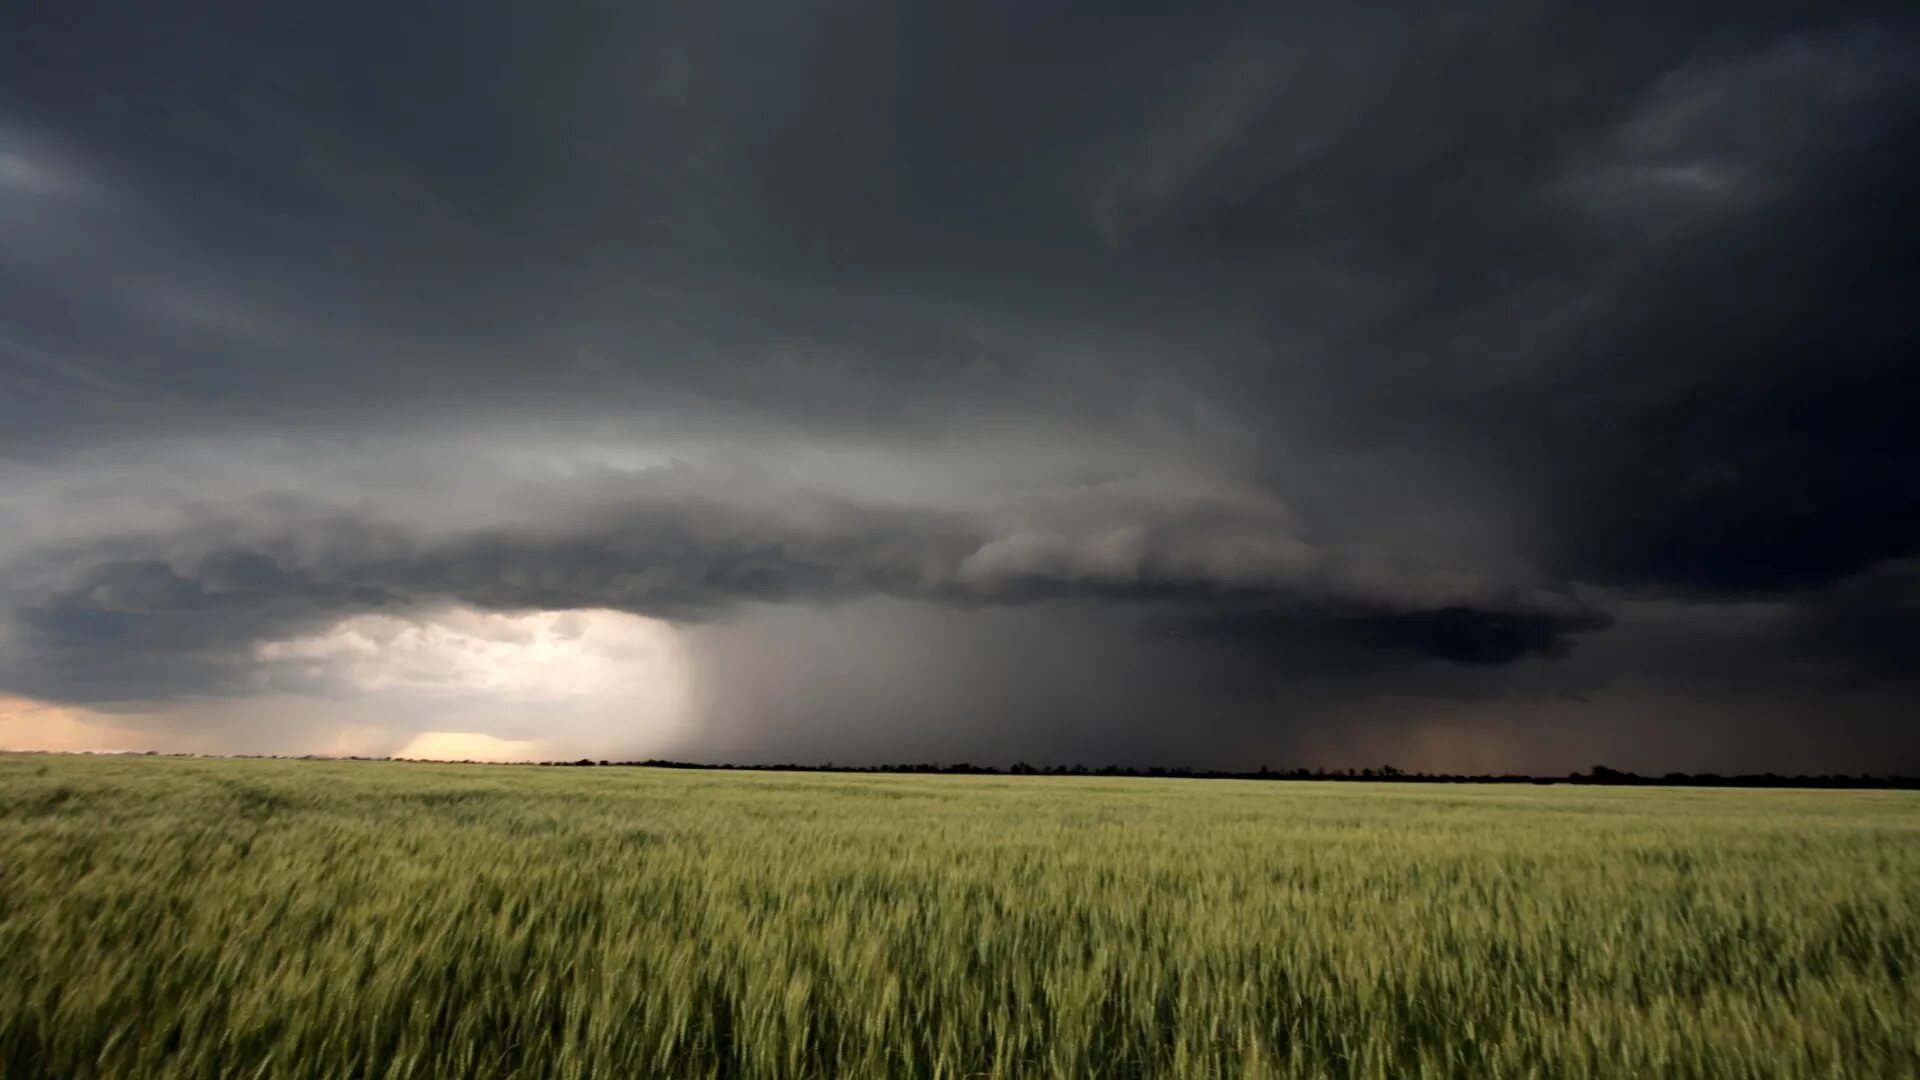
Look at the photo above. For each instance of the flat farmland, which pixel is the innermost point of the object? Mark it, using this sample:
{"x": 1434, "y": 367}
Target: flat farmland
{"x": 164, "y": 917}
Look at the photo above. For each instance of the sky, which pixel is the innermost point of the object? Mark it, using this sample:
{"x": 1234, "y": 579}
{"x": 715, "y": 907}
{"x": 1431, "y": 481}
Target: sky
{"x": 1512, "y": 386}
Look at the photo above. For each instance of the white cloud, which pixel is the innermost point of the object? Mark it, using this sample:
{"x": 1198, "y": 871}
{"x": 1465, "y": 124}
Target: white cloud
{"x": 460, "y": 652}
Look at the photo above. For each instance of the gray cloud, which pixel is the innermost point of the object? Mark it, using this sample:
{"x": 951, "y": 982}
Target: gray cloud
{"x": 184, "y": 608}
{"x": 1184, "y": 379}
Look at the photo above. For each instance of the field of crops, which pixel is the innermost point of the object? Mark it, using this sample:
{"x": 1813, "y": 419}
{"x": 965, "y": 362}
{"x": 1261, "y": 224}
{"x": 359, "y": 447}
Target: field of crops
{"x": 178, "y": 917}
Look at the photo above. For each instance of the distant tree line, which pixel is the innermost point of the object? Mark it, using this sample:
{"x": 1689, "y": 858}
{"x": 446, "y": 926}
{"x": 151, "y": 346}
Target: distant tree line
{"x": 1599, "y": 774}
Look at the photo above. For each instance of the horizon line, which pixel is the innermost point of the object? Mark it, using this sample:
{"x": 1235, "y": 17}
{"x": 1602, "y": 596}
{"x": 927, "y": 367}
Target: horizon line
{"x": 1600, "y": 775}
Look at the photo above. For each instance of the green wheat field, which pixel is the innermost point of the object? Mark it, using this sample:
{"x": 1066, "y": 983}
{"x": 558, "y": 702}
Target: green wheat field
{"x": 165, "y": 917}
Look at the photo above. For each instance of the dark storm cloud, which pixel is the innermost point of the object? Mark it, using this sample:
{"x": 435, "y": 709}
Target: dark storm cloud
{"x": 1463, "y": 635}
{"x": 1753, "y": 432}
{"x": 184, "y": 611}
{"x": 1663, "y": 280}
{"x": 1312, "y": 360}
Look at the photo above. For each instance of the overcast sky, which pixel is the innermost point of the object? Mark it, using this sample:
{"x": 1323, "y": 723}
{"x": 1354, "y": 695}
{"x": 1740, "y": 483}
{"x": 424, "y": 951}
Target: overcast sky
{"x": 1503, "y": 386}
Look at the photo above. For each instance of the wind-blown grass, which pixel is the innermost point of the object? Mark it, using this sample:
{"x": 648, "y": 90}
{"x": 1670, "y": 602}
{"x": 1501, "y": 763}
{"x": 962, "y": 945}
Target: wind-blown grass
{"x": 175, "y": 917}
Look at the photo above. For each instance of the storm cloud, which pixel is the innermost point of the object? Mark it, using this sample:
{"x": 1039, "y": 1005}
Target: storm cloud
{"x": 1498, "y": 387}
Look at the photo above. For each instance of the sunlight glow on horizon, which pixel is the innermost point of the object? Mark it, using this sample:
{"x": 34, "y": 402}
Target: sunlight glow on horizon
{"x": 454, "y": 684}
{"x": 467, "y": 683}
{"x": 471, "y": 746}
